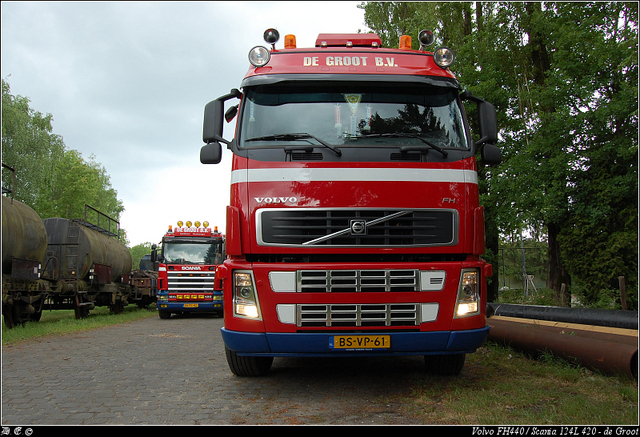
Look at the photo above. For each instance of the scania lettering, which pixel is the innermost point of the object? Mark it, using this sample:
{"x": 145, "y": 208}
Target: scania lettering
{"x": 354, "y": 226}
{"x": 188, "y": 259}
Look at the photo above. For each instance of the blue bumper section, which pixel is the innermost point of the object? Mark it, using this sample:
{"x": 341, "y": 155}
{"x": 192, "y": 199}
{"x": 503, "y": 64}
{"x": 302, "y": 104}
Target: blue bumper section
{"x": 180, "y": 307}
{"x": 317, "y": 344}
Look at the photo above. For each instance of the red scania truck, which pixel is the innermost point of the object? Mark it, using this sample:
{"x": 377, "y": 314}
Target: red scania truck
{"x": 354, "y": 226}
{"x": 188, "y": 259}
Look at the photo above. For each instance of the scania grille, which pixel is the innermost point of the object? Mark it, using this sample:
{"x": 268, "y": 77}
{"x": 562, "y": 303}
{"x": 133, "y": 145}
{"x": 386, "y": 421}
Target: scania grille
{"x": 309, "y": 227}
{"x": 190, "y": 281}
{"x": 349, "y": 281}
{"x": 345, "y": 315}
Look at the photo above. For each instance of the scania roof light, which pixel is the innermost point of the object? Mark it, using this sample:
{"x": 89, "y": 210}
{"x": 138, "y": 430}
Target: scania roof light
{"x": 443, "y": 57}
{"x": 259, "y": 56}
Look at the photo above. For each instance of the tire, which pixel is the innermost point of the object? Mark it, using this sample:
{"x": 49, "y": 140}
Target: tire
{"x": 247, "y": 366}
{"x": 164, "y": 314}
{"x": 445, "y": 365}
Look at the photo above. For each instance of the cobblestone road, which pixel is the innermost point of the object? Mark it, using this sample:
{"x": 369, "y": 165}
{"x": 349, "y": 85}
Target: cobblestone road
{"x": 174, "y": 371}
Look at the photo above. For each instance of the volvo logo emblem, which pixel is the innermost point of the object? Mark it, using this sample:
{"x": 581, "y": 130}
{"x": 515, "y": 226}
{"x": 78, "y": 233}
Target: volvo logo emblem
{"x": 358, "y": 227}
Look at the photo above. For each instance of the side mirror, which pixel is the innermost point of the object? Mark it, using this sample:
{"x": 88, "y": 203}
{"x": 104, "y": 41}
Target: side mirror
{"x": 211, "y": 153}
{"x": 212, "y": 126}
{"x": 491, "y": 154}
{"x": 488, "y": 122}
{"x": 213, "y": 116}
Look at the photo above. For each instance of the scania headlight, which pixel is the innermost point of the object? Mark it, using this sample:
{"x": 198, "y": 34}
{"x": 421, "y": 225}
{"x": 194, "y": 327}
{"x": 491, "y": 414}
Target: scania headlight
{"x": 245, "y": 299}
{"x": 468, "y": 294}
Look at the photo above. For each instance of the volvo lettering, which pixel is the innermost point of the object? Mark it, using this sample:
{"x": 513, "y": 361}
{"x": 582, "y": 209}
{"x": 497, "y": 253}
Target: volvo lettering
{"x": 380, "y": 253}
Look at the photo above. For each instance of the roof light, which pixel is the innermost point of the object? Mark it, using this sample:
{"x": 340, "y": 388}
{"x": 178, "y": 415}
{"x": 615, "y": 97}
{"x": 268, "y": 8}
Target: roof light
{"x": 405, "y": 42}
{"x": 205, "y": 224}
{"x": 271, "y": 36}
{"x": 180, "y": 223}
{"x": 426, "y": 38}
{"x": 259, "y": 56}
{"x": 197, "y": 224}
{"x": 443, "y": 57}
{"x": 289, "y": 41}
{"x": 188, "y": 224}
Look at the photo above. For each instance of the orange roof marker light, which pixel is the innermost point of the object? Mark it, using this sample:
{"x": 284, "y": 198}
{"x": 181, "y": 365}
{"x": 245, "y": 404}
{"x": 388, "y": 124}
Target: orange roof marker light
{"x": 405, "y": 42}
{"x": 289, "y": 41}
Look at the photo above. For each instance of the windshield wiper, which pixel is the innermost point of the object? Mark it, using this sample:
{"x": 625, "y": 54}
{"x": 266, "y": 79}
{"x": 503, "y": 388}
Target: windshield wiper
{"x": 407, "y": 135}
{"x": 296, "y": 137}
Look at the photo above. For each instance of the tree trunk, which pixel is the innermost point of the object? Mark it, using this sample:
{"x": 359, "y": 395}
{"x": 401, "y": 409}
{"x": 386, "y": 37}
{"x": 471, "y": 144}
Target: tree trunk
{"x": 557, "y": 272}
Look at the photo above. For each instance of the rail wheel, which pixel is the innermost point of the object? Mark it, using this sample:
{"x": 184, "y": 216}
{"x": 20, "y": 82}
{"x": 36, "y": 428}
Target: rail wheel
{"x": 11, "y": 316}
{"x": 81, "y": 307}
{"x": 247, "y": 366}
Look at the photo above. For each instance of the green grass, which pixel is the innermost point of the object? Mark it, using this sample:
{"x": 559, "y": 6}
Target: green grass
{"x": 64, "y": 322}
{"x": 501, "y": 386}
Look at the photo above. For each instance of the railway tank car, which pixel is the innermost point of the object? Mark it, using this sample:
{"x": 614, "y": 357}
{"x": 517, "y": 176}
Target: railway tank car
{"x": 59, "y": 263}
{"x": 90, "y": 266}
{"x": 24, "y": 245}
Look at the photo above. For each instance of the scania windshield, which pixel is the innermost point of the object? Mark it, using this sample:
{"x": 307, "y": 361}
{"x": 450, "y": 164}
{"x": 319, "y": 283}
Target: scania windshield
{"x": 352, "y": 115}
{"x": 192, "y": 253}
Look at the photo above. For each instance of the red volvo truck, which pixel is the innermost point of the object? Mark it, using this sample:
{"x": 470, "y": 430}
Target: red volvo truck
{"x": 354, "y": 226}
{"x": 188, "y": 259}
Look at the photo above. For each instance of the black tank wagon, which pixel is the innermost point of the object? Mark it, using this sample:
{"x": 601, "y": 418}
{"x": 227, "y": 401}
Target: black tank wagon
{"x": 89, "y": 265}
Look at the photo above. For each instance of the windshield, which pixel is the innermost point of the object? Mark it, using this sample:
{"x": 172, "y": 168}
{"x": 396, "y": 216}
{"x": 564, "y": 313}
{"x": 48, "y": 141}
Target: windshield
{"x": 193, "y": 253}
{"x": 352, "y": 115}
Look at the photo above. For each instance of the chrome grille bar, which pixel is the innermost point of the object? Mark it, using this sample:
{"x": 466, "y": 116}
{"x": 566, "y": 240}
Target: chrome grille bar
{"x": 358, "y": 280}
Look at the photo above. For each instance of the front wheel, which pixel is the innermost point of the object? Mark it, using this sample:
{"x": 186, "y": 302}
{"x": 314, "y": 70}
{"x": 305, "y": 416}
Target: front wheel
{"x": 447, "y": 365}
{"x": 247, "y": 366}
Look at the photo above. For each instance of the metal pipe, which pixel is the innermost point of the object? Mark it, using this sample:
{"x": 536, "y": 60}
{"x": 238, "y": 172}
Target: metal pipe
{"x": 615, "y": 335}
{"x": 585, "y": 316}
{"x": 606, "y": 356}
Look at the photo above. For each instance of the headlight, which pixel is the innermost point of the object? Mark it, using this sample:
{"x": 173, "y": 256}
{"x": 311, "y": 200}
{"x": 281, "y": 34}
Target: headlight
{"x": 245, "y": 299}
{"x": 468, "y": 294}
{"x": 259, "y": 56}
{"x": 443, "y": 57}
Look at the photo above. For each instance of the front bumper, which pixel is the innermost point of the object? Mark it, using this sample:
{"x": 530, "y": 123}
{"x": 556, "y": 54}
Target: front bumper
{"x": 318, "y": 344}
{"x": 201, "y": 307}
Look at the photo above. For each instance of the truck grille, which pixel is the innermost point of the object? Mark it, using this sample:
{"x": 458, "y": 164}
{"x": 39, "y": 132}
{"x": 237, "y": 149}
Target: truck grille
{"x": 350, "y": 228}
{"x": 349, "y": 281}
{"x": 190, "y": 281}
{"x": 343, "y": 315}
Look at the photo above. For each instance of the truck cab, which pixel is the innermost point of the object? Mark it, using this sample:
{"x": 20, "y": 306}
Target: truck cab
{"x": 188, "y": 258}
{"x": 354, "y": 226}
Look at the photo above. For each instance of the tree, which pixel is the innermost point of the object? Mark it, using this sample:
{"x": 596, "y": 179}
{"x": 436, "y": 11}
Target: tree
{"x": 563, "y": 77}
{"x": 30, "y": 147}
{"x": 51, "y": 179}
{"x": 138, "y": 252}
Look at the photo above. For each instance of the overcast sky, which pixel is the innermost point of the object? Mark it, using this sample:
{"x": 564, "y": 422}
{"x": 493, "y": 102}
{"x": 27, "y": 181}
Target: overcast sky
{"x": 127, "y": 82}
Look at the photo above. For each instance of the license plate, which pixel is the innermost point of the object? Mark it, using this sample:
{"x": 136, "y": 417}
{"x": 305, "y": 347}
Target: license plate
{"x": 358, "y": 342}
{"x": 191, "y": 305}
